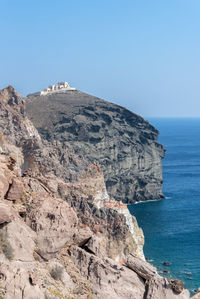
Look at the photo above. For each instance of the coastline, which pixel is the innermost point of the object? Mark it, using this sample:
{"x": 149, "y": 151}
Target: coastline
{"x": 151, "y": 200}
{"x": 171, "y": 226}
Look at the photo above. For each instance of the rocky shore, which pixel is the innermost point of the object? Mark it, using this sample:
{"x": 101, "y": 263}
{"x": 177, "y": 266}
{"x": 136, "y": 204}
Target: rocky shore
{"x": 62, "y": 234}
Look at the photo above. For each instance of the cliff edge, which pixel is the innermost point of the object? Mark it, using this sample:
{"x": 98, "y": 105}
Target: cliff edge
{"x": 123, "y": 143}
{"x": 62, "y": 236}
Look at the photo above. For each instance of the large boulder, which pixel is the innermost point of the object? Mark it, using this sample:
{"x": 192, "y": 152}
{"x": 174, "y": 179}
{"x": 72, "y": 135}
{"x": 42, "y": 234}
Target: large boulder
{"x": 54, "y": 223}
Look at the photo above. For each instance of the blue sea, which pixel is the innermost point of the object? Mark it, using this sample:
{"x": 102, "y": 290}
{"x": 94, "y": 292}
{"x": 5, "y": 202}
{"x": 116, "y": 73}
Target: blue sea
{"x": 172, "y": 226}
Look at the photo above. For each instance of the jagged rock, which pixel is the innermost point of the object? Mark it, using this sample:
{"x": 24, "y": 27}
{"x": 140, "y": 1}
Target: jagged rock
{"x": 123, "y": 143}
{"x": 119, "y": 232}
{"x": 62, "y": 208}
{"x": 93, "y": 246}
{"x": 9, "y": 95}
{"x": 108, "y": 279}
{"x": 83, "y": 235}
{"x": 157, "y": 287}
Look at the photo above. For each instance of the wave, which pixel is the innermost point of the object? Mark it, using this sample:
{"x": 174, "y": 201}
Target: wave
{"x": 151, "y": 200}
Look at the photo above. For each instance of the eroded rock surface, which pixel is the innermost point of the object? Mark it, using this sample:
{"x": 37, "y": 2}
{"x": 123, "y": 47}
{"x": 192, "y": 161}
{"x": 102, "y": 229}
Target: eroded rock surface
{"x": 156, "y": 286}
{"x": 61, "y": 235}
{"x": 123, "y": 143}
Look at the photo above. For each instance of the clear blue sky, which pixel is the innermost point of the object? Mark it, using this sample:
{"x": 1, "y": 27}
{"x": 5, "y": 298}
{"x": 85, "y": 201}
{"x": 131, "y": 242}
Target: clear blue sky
{"x": 142, "y": 54}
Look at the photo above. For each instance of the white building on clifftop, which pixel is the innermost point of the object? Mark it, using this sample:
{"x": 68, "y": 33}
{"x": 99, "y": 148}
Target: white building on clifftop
{"x": 60, "y": 87}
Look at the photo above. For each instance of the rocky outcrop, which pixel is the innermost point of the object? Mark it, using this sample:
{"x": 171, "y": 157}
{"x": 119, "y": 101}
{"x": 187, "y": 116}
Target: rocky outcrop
{"x": 197, "y": 295}
{"x": 144, "y": 270}
{"x": 108, "y": 279}
{"x": 156, "y": 286}
{"x": 123, "y": 143}
{"x": 54, "y": 222}
{"x": 62, "y": 236}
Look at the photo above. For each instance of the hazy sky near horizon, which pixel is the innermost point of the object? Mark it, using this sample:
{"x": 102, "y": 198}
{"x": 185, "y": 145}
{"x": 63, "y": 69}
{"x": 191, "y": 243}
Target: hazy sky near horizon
{"x": 142, "y": 54}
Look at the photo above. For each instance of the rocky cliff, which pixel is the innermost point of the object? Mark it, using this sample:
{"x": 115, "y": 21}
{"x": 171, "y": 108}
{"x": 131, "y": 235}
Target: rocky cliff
{"x": 62, "y": 236}
{"x": 123, "y": 143}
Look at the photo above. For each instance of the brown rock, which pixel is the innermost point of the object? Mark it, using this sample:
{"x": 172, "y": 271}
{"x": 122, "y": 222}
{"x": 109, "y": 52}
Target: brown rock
{"x": 177, "y": 285}
{"x": 9, "y": 94}
{"x": 6, "y": 213}
{"x": 5, "y": 178}
{"x": 83, "y": 235}
{"x": 58, "y": 272}
{"x": 159, "y": 288}
{"x": 94, "y": 246}
{"x": 16, "y": 190}
{"x": 15, "y": 283}
{"x": 108, "y": 279}
{"x": 54, "y": 222}
{"x": 21, "y": 239}
{"x": 49, "y": 227}
{"x": 142, "y": 268}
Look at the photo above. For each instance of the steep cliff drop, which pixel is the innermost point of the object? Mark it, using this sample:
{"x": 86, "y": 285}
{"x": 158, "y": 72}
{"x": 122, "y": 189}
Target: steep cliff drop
{"x": 61, "y": 235}
{"x": 123, "y": 143}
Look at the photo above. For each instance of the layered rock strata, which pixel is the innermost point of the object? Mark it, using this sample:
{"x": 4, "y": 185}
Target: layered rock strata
{"x": 123, "y": 143}
{"x": 63, "y": 237}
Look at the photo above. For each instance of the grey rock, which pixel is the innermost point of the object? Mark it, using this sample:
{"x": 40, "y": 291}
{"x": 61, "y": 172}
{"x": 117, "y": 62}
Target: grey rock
{"x": 123, "y": 143}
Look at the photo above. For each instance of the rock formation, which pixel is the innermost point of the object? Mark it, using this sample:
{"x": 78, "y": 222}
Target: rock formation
{"x": 197, "y": 295}
{"x": 123, "y": 143}
{"x": 62, "y": 236}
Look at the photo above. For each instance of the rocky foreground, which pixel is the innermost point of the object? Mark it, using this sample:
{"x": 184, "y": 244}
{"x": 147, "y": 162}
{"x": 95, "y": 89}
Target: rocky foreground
{"x": 61, "y": 235}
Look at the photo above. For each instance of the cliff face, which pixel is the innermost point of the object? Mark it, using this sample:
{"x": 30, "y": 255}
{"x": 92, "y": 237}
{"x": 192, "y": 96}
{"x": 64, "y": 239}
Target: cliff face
{"x": 123, "y": 143}
{"x": 62, "y": 236}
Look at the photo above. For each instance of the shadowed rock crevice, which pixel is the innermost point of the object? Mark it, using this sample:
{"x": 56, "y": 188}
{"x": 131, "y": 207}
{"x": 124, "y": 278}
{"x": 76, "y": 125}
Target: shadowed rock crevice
{"x": 146, "y": 291}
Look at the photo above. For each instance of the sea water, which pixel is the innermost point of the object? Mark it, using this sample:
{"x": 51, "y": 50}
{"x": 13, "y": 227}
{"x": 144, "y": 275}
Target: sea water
{"x": 172, "y": 226}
